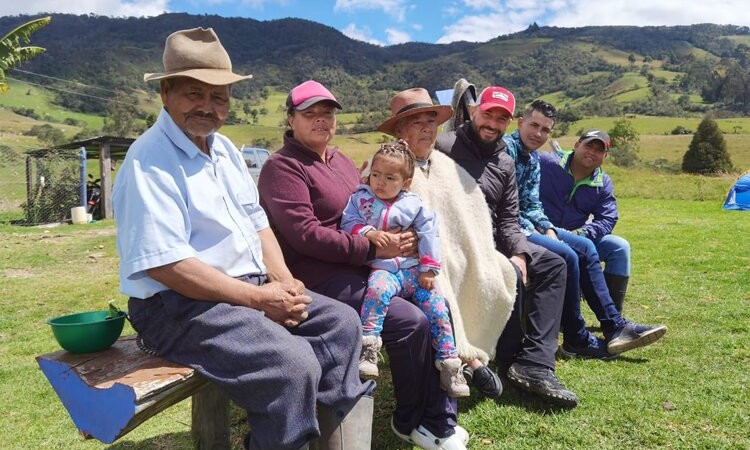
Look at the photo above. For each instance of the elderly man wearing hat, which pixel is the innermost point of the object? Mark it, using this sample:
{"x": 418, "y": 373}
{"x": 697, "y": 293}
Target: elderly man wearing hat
{"x": 207, "y": 283}
{"x": 525, "y": 354}
{"x": 573, "y": 187}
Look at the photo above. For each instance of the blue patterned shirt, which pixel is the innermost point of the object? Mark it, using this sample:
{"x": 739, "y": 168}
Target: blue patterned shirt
{"x": 531, "y": 215}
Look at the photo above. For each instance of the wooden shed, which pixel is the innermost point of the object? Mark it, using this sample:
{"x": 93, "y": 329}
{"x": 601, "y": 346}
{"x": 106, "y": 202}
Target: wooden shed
{"x": 105, "y": 149}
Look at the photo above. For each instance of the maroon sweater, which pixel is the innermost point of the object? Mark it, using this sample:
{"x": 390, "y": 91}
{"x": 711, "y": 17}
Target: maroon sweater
{"x": 304, "y": 198}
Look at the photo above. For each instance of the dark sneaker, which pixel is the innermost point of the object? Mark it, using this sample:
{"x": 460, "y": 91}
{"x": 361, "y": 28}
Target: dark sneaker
{"x": 594, "y": 348}
{"x": 632, "y": 335}
{"x": 485, "y": 380}
{"x": 541, "y": 381}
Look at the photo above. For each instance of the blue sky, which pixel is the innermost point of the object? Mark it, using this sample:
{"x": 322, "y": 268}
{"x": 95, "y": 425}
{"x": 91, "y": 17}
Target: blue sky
{"x": 388, "y": 22}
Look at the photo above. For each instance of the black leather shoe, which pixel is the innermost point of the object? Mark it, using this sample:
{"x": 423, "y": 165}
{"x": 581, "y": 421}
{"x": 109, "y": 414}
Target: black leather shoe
{"x": 541, "y": 381}
{"x": 485, "y": 380}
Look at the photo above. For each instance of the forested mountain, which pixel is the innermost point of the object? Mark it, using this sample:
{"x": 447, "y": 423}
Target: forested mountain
{"x": 592, "y": 70}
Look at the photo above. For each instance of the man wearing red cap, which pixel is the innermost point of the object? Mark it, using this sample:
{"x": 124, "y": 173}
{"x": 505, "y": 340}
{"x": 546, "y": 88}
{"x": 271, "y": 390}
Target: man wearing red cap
{"x": 525, "y": 354}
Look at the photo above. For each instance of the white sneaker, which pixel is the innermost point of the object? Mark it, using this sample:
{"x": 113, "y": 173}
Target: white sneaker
{"x": 368, "y": 358}
{"x": 422, "y": 438}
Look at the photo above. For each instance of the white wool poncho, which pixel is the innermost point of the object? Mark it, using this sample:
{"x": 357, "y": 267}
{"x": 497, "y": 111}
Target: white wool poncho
{"x": 478, "y": 282}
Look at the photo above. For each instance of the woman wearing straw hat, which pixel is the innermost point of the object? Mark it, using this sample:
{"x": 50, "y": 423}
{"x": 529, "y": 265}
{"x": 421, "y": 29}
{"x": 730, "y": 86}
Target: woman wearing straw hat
{"x": 478, "y": 281}
{"x": 305, "y": 187}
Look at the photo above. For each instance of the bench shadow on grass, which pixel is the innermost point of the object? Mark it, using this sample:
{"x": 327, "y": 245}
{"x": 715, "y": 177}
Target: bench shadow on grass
{"x": 163, "y": 441}
{"x": 511, "y": 396}
{"x": 174, "y": 441}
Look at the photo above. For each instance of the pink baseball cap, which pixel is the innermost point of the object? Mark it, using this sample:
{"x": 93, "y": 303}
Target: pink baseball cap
{"x": 497, "y": 97}
{"x": 309, "y": 93}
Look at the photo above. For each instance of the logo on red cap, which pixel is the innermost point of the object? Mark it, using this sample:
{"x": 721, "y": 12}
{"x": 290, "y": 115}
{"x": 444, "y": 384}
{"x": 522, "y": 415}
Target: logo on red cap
{"x": 497, "y": 97}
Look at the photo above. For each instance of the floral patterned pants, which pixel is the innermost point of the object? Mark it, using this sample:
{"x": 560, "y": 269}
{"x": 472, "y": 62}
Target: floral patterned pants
{"x": 382, "y": 285}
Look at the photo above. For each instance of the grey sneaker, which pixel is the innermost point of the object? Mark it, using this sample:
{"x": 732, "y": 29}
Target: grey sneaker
{"x": 368, "y": 359}
{"x": 633, "y": 335}
{"x": 452, "y": 378}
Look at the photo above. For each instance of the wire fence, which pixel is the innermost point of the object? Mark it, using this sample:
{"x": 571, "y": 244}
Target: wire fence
{"x": 40, "y": 189}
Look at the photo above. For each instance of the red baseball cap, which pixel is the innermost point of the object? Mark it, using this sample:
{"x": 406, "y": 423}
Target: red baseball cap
{"x": 497, "y": 97}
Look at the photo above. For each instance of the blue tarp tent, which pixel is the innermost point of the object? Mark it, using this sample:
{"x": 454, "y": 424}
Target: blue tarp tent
{"x": 739, "y": 194}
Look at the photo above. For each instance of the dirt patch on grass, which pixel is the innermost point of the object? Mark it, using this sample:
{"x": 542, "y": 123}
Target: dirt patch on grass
{"x": 18, "y": 273}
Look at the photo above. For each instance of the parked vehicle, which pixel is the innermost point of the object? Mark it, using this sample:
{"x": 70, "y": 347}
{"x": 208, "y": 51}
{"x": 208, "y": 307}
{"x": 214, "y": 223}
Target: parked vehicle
{"x": 254, "y": 157}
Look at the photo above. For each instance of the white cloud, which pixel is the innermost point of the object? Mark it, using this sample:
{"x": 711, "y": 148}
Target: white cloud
{"x": 481, "y": 20}
{"x": 481, "y": 4}
{"x": 361, "y": 34}
{"x": 649, "y": 12}
{"x": 255, "y": 4}
{"x": 397, "y": 36}
{"x": 487, "y": 19}
{"x": 483, "y": 27}
{"x": 115, "y": 8}
{"x": 394, "y": 8}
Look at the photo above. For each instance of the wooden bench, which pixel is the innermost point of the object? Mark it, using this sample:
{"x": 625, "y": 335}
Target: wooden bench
{"x": 110, "y": 393}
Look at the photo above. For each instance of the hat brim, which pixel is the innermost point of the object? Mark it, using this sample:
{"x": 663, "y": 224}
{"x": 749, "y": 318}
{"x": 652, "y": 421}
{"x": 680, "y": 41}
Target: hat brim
{"x": 444, "y": 112}
{"x": 587, "y": 140}
{"x": 313, "y": 100}
{"x": 215, "y": 77}
{"x": 484, "y": 107}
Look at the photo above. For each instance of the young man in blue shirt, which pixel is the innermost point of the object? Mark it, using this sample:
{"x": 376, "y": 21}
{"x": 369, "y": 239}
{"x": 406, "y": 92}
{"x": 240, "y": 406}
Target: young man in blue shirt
{"x": 580, "y": 253}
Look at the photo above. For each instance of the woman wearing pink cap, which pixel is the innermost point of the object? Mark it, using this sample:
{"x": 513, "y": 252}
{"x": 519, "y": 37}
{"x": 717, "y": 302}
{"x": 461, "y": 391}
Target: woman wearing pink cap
{"x": 304, "y": 188}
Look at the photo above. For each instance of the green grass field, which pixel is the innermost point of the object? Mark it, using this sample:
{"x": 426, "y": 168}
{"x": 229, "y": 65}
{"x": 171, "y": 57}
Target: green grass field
{"x": 689, "y": 391}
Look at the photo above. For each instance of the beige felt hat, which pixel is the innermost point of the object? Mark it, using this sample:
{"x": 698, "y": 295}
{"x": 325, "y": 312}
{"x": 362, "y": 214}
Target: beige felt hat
{"x": 197, "y": 53}
{"x": 413, "y": 101}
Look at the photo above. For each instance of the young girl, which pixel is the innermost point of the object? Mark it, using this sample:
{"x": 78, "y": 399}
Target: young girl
{"x": 384, "y": 203}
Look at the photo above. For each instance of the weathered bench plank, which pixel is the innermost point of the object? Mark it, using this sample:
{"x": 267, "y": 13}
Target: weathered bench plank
{"x": 109, "y": 393}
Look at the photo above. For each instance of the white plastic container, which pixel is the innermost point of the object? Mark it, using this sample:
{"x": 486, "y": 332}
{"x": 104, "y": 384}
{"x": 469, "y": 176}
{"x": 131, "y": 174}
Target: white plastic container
{"x": 78, "y": 215}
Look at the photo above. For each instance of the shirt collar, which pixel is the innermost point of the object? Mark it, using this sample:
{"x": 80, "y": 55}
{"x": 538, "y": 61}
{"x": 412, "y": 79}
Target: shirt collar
{"x": 296, "y": 145}
{"x": 523, "y": 153}
{"x": 596, "y": 178}
{"x": 182, "y": 141}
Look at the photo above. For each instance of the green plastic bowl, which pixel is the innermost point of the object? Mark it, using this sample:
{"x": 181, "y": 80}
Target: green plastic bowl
{"x": 87, "y": 332}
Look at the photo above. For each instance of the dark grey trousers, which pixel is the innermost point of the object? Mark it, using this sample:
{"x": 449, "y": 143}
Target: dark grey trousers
{"x": 530, "y": 334}
{"x": 277, "y": 374}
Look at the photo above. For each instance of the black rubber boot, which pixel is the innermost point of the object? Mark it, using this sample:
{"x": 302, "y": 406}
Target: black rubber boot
{"x": 618, "y": 287}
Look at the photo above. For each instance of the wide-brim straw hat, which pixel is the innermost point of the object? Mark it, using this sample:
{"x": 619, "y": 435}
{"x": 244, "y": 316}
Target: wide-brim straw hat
{"x": 197, "y": 53}
{"x": 410, "y": 102}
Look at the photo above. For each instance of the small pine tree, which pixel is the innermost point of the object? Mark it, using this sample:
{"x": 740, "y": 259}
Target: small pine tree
{"x": 707, "y": 153}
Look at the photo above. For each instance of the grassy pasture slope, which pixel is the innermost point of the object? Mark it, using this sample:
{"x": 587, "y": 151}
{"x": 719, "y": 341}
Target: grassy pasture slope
{"x": 688, "y": 391}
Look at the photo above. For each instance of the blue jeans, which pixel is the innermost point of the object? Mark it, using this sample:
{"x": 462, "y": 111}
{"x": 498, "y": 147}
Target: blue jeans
{"x": 614, "y": 252}
{"x": 584, "y": 275}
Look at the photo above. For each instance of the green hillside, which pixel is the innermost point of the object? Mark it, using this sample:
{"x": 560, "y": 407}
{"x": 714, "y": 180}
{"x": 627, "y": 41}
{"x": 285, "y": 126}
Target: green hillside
{"x": 658, "y": 77}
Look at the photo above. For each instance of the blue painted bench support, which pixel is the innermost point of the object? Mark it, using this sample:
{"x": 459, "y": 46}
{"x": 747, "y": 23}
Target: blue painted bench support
{"x": 110, "y": 393}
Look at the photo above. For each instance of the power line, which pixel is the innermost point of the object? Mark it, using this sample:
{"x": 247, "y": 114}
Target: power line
{"x": 66, "y": 81}
{"x": 72, "y": 92}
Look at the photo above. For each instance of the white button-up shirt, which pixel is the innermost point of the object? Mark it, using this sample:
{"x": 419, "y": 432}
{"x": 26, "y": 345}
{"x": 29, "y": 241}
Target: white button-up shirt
{"x": 172, "y": 202}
